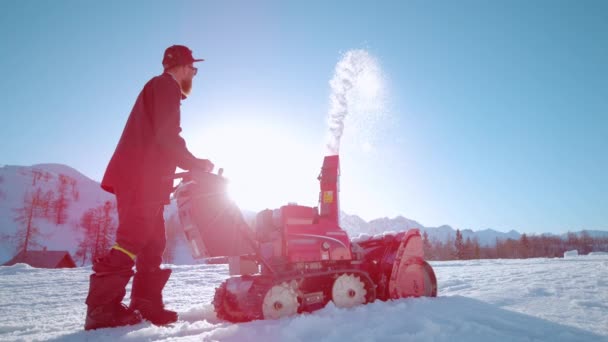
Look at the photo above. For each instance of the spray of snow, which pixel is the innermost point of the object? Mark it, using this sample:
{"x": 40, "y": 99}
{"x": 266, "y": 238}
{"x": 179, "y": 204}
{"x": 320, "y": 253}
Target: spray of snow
{"x": 357, "y": 89}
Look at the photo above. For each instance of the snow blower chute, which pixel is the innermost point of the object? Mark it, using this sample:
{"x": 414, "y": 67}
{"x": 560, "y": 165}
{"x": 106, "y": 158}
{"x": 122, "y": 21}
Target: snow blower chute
{"x": 296, "y": 258}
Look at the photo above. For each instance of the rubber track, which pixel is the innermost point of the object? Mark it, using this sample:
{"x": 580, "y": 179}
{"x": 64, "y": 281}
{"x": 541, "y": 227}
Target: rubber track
{"x": 227, "y": 308}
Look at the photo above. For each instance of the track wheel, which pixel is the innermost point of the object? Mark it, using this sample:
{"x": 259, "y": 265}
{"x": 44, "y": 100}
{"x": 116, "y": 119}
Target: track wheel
{"x": 280, "y": 301}
{"x": 348, "y": 291}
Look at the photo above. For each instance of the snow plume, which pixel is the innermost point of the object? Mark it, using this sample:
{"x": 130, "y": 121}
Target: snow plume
{"x": 357, "y": 88}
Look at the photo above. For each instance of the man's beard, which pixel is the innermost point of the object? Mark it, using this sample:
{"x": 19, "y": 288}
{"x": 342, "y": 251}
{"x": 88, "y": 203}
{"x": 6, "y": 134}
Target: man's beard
{"x": 186, "y": 85}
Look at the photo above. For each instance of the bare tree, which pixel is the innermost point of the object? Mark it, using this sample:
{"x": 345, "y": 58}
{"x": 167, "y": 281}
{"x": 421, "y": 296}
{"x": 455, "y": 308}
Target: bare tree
{"x": 46, "y": 176}
{"x": 28, "y": 234}
{"x": 47, "y": 204}
{"x": 74, "y": 189}
{"x": 36, "y": 176}
{"x": 87, "y": 244}
{"x": 61, "y": 202}
{"x": 108, "y": 226}
{"x": 99, "y": 232}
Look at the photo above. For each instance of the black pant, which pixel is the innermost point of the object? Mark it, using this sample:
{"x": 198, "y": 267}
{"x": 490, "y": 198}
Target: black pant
{"x": 141, "y": 231}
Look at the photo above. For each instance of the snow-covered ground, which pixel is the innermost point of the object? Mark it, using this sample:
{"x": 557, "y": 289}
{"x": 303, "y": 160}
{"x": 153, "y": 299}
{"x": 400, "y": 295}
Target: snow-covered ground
{"x": 479, "y": 300}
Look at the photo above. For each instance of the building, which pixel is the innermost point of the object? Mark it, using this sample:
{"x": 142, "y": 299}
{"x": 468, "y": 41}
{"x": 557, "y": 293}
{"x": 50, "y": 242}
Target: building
{"x": 43, "y": 259}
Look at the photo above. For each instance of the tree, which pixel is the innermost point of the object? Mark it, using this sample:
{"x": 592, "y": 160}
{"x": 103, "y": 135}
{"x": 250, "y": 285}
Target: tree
{"x": 585, "y": 243}
{"x": 426, "y": 246}
{"x": 46, "y": 176}
{"x": 36, "y": 176}
{"x": 459, "y": 245}
{"x": 87, "y": 244}
{"x": 476, "y": 249}
{"x": 74, "y": 189}
{"x": 60, "y": 205}
{"x": 99, "y": 232}
{"x": 471, "y": 249}
{"x": 444, "y": 251}
{"x": 436, "y": 248}
{"x": 47, "y": 208}
{"x": 524, "y": 246}
{"x": 108, "y": 226}
{"x": 2, "y": 195}
{"x": 28, "y": 234}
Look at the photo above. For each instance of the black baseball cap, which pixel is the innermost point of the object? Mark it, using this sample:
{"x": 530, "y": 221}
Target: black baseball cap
{"x": 178, "y": 55}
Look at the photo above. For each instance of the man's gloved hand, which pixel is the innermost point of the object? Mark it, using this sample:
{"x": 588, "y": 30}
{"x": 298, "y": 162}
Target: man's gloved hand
{"x": 204, "y": 165}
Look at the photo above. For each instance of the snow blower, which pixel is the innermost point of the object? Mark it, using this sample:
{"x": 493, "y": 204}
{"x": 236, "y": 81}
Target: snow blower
{"x": 296, "y": 258}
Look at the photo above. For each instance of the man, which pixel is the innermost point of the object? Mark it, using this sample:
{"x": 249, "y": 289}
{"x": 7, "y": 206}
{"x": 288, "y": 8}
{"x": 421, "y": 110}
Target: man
{"x": 139, "y": 174}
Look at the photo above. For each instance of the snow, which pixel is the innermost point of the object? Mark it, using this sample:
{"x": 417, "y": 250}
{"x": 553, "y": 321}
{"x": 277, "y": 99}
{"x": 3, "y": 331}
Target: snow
{"x": 479, "y": 300}
{"x": 570, "y": 254}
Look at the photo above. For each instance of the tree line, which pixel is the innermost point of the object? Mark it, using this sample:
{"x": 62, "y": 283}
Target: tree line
{"x": 534, "y": 246}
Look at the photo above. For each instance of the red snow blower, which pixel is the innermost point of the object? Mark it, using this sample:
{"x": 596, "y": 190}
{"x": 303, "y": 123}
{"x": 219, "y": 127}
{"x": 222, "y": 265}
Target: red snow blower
{"x": 296, "y": 258}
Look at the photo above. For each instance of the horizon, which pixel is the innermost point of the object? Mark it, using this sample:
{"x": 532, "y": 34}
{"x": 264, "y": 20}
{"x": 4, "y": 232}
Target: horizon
{"x": 470, "y": 114}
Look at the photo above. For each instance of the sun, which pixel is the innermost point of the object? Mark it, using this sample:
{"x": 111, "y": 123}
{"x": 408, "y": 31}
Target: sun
{"x": 266, "y": 165}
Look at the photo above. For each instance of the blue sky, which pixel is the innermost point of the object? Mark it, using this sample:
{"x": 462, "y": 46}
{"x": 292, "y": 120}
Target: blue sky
{"x": 496, "y": 113}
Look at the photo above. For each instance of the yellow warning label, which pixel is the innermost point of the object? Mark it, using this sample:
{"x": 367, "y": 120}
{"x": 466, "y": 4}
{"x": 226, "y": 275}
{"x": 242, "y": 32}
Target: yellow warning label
{"x": 328, "y": 197}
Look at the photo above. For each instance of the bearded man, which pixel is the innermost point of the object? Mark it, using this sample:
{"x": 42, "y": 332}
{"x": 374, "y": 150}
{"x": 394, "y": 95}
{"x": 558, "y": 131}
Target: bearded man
{"x": 139, "y": 175}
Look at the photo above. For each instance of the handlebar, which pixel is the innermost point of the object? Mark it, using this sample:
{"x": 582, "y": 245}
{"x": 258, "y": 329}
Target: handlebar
{"x": 187, "y": 174}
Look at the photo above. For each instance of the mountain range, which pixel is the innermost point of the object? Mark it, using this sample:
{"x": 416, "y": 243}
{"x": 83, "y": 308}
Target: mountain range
{"x": 83, "y": 193}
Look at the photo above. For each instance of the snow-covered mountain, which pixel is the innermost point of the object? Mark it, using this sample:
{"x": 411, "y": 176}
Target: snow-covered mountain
{"x": 83, "y": 193}
{"x": 356, "y": 226}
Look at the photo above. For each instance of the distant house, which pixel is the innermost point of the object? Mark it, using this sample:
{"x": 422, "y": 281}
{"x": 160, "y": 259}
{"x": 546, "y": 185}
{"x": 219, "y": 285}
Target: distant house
{"x": 43, "y": 259}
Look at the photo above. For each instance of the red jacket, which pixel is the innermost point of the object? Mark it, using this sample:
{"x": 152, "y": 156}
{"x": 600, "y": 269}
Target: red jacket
{"x": 150, "y": 147}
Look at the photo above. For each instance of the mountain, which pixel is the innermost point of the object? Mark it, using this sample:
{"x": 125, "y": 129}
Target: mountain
{"x": 487, "y": 237}
{"x": 80, "y": 193}
{"x": 595, "y": 233}
{"x": 356, "y": 226}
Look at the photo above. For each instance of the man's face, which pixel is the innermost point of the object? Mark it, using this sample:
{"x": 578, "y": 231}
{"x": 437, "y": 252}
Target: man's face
{"x": 186, "y": 83}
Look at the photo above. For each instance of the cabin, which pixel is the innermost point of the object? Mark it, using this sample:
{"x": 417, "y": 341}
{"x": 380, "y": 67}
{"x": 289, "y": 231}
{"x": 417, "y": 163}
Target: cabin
{"x": 43, "y": 259}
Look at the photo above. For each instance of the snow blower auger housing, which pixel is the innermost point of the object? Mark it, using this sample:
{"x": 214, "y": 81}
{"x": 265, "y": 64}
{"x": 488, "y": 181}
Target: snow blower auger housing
{"x": 297, "y": 258}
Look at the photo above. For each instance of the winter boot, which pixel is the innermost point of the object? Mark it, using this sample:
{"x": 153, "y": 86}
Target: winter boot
{"x": 110, "y": 316}
{"x": 147, "y": 298}
{"x": 106, "y": 291}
